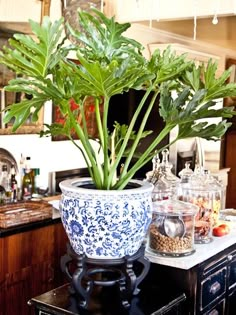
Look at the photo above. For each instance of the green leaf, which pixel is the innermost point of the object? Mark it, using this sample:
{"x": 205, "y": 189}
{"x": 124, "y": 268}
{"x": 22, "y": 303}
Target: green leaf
{"x": 32, "y": 57}
{"x": 108, "y": 64}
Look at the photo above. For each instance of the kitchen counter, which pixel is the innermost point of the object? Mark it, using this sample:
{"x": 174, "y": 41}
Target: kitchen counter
{"x": 32, "y": 225}
{"x": 61, "y": 301}
{"x": 202, "y": 253}
{"x": 38, "y": 246}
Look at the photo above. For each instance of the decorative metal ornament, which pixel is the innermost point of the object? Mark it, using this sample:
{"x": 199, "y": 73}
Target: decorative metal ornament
{"x": 70, "y": 9}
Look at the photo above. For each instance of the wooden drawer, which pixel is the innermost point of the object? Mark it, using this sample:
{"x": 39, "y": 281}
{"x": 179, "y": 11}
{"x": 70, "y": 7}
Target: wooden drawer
{"x": 232, "y": 274}
{"x": 213, "y": 288}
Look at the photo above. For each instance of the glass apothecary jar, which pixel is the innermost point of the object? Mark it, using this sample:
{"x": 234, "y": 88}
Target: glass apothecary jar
{"x": 207, "y": 193}
{"x": 164, "y": 181}
{"x": 171, "y": 232}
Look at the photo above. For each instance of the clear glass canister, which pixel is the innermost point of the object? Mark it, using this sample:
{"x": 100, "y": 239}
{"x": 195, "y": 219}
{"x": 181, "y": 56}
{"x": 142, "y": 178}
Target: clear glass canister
{"x": 207, "y": 193}
{"x": 171, "y": 232}
{"x": 164, "y": 181}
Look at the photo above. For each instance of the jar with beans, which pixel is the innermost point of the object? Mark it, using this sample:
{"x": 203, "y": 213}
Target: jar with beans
{"x": 172, "y": 227}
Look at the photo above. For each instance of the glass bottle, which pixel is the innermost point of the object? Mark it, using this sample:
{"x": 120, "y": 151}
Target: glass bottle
{"x": 5, "y": 184}
{"x": 8, "y": 191}
{"x": 4, "y": 179}
{"x": 154, "y": 175}
{"x": 36, "y": 182}
{"x": 166, "y": 170}
{"x": 14, "y": 185}
{"x": 27, "y": 182}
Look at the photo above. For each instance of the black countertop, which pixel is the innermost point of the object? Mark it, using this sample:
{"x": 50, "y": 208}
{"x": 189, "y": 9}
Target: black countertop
{"x": 153, "y": 299}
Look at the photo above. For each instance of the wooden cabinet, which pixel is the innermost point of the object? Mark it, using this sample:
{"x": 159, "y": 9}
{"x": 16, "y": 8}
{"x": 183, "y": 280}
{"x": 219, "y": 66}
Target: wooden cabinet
{"x": 20, "y": 11}
{"x": 210, "y": 286}
{"x": 144, "y": 10}
{"x": 30, "y": 265}
{"x": 229, "y": 162}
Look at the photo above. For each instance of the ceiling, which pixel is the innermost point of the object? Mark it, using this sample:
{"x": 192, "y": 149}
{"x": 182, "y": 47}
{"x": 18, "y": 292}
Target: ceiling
{"x": 222, "y": 34}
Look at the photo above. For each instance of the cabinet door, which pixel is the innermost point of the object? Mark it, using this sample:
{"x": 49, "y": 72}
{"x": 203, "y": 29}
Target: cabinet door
{"x": 231, "y": 307}
{"x": 144, "y": 10}
{"x": 60, "y": 241}
{"x": 21, "y": 285}
{"x": 129, "y": 11}
{"x": 27, "y": 268}
{"x": 15, "y": 293}
{"x": 20, "y": 11}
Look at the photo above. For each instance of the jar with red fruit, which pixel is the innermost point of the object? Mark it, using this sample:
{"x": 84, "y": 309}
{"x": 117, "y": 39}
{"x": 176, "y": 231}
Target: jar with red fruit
{"x": 207, "y": 193}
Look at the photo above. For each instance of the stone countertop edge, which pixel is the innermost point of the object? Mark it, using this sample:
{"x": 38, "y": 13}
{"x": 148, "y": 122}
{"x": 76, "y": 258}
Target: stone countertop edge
{"x": 202, "y": 251}
{"x": 201, "y": 254}
{"x": 32, "y": 225}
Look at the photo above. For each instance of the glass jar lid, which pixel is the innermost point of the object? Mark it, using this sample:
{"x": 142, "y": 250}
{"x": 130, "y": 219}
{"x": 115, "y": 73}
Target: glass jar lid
{"x": 203, "y": 181}
{"x": 174, "y": 207}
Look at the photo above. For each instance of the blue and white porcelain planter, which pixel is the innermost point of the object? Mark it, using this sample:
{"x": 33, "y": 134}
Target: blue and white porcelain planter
{"x": 105, "y": 224}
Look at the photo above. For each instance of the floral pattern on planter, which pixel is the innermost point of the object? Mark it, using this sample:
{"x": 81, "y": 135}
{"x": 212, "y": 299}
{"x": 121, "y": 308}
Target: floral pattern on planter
{"x": 105, "y": 224}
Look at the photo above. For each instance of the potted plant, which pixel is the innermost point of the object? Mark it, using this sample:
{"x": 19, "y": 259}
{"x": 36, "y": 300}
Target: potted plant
{"x": 95, "y": 209}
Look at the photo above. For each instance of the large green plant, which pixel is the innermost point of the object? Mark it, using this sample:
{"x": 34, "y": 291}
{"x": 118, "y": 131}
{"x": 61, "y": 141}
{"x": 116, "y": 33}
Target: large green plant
{"x": 109, "y": 64}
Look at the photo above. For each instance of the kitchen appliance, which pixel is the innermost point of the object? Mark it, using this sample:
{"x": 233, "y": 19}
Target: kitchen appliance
{"x": 56, "y": 177}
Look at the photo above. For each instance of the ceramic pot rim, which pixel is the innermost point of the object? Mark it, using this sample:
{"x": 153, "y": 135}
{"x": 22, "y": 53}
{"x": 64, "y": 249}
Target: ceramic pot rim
{"x": 74, "y": 185}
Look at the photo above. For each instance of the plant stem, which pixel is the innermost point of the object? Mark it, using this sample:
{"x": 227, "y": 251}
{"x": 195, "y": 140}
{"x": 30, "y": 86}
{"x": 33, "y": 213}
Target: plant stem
{"x": 104, "y": 134}
{"x": 139, "y": 134}
{"x": 149, "y": 153}
{"x": 88, "y": 150}
{"x": 119, "y": 155}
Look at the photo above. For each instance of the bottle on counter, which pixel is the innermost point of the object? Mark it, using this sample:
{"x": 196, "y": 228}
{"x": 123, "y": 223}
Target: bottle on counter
{"x": 8, "y": 191}
{"x": 4, "y": 177}
{"x": 14, "y": 186}
{"x": 21, "y": 175}
{"x": 36, "y": 182}
{"x": 2, "y": 194}
{"x": 27, "y": 181}
{"x": 5, "y": 184}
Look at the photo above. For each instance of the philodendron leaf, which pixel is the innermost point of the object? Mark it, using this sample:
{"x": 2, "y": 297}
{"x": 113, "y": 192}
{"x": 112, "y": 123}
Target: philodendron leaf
{"x": 120, "y": 133}
{"x": 108, "y": 80}
{"x": 102, "y": 38}
{"x": 167, "y": 65}
{"x": 108, "y": 63}
{"x": 190, "y": 112}
{"x": 203, "y": 130}
{"x": 205, "y": 77}
{"x": 55, "y": 129}
{"x": 21, "y": 111}
{"x": 35, "y": 58}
